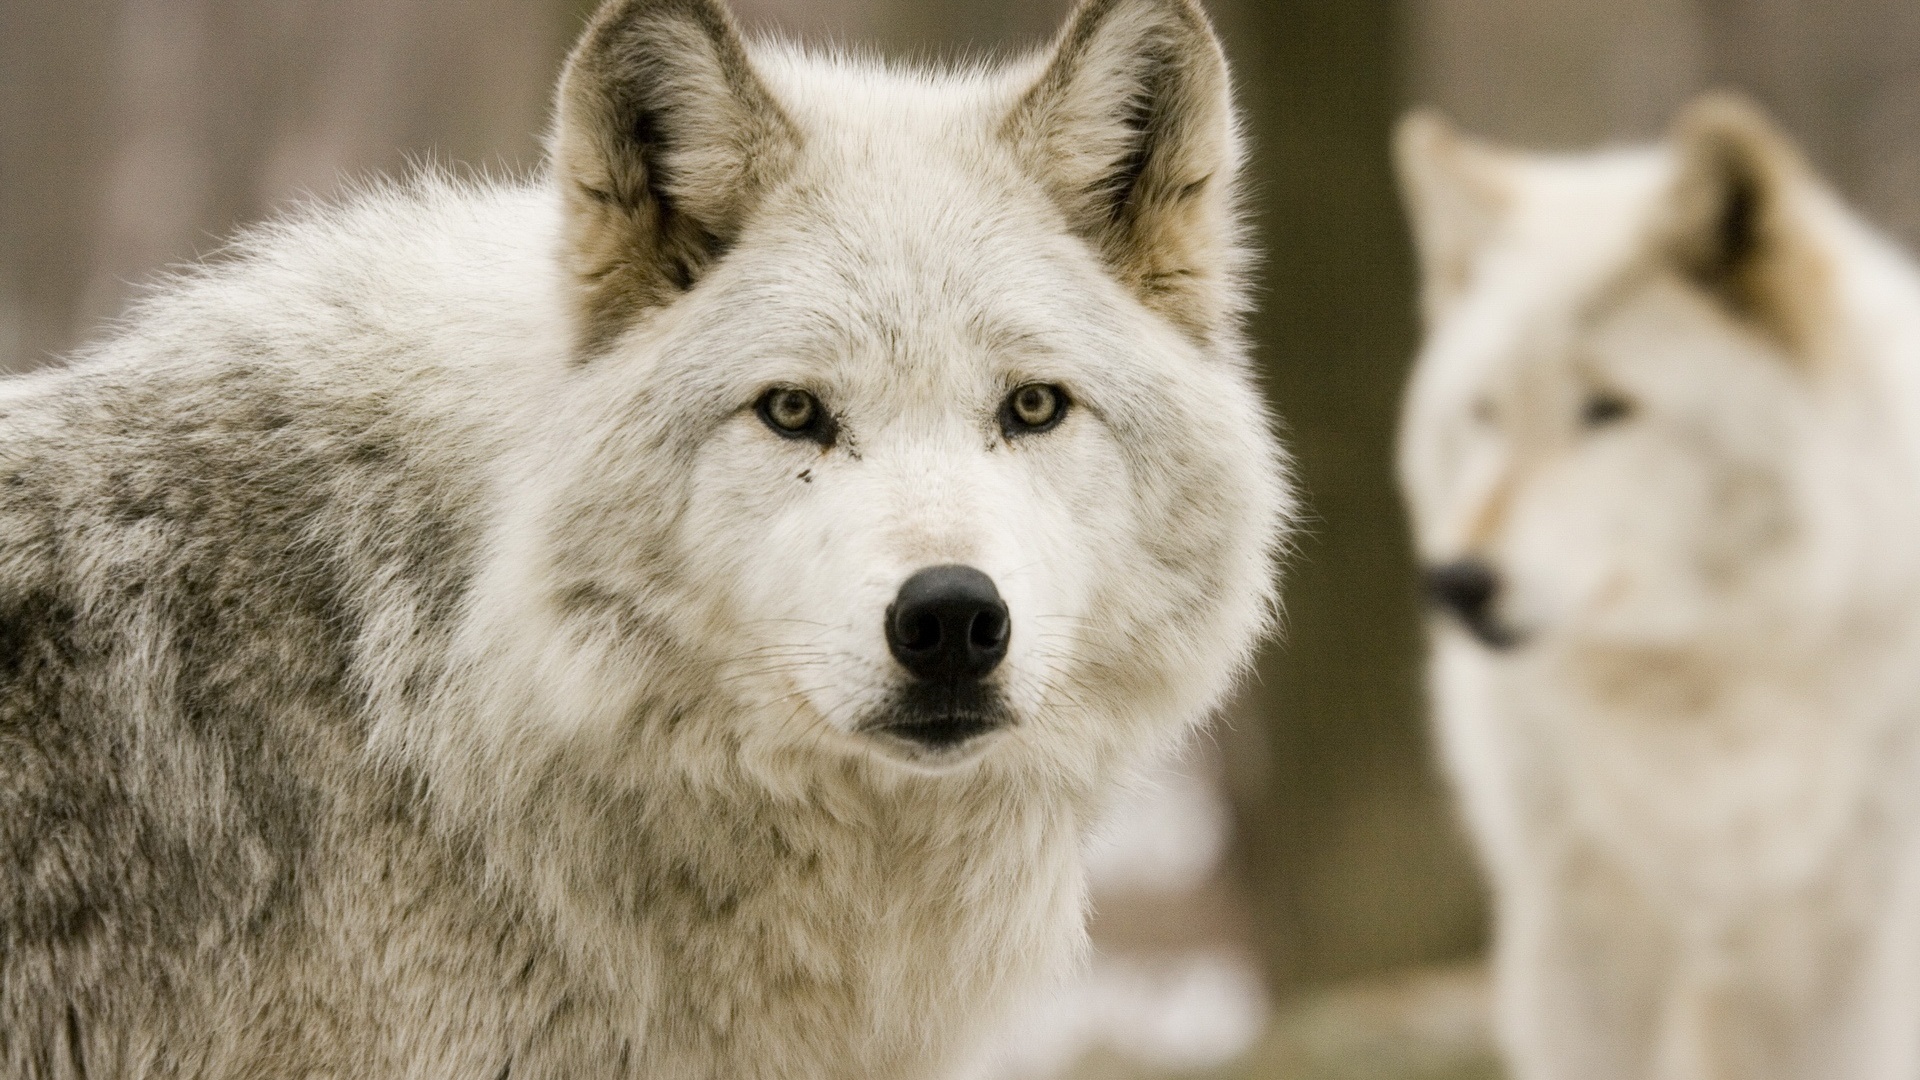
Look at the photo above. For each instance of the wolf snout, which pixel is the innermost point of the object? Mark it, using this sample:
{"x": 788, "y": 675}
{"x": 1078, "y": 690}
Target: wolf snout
{"x": 1467, "y": 589}
{"x": 948, "y": 623}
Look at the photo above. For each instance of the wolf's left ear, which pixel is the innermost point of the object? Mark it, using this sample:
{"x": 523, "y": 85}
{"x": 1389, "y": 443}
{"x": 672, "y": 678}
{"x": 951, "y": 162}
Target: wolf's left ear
{"x": 1732, "y": 223}
{"x": 664, "y": 140}
{"x": 1456, "y": 191}
{"x": 1131, "y": 126}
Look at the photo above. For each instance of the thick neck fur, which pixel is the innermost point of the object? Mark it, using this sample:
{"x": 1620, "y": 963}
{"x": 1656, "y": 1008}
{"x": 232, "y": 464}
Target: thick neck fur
{"x": 781, "y": 913}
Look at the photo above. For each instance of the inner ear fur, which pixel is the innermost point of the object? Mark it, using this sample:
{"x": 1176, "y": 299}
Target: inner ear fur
{"x": 1131, "y": 127}
{"x": 1734, "y": 226}
{"x": 1456, "y": 191}
{"x": 664, "y": 140}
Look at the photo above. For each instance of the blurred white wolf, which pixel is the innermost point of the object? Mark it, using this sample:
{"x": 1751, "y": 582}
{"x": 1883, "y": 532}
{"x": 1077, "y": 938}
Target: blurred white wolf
{"x": 674, "y": 618}
{"x": 1663, "y": 453}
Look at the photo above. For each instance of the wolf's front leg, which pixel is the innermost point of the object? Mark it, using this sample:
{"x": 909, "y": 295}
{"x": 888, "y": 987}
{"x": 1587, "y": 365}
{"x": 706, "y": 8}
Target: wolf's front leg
{"x": 1580, "y": 961}
{"x": 1716, "y": 1025}
{"x": 1881, "y": 1037}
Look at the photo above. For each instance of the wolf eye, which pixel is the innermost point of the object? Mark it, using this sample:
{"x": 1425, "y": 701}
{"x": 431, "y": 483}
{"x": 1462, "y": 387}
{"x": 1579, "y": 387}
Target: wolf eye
{"x": 1032, "y": 408}
{"x": 796, "y": 414}
{"x": 1603, "y": 407}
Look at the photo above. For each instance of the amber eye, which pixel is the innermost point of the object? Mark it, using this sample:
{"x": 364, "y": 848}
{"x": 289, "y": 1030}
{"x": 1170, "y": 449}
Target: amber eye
{"x": 796, "y": 414}
{"x": 1604, "y": 407}
{"x": 1032, "y": 408}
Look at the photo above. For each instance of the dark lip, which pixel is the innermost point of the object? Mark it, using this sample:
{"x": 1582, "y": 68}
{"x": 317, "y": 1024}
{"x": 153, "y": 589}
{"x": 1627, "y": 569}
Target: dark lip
{"x": 939, "y": 733}
{"x": 940, "y": 717}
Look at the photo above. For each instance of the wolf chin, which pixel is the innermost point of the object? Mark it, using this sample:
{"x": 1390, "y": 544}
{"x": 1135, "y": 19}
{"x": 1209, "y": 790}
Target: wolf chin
{"x": 673, "y": 617}
{"x": 1662, "y": 449}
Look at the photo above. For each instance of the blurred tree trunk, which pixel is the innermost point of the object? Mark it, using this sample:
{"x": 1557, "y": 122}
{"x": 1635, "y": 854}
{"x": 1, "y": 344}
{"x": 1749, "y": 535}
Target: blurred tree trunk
{"x": 1346, "y": 839}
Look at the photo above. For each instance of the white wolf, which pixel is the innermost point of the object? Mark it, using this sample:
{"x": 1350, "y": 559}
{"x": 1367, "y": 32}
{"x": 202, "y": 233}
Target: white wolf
{"x": 672, "y": 618}
{"x": 1663, "y": 453}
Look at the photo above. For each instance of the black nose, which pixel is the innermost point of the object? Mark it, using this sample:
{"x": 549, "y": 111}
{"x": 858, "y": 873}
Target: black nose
{"x": 948, "y": 623}
{"x": 1466, "y": 587}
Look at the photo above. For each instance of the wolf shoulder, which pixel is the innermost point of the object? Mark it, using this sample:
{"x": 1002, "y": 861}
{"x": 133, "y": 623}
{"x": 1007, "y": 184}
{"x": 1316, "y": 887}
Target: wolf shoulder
{"x": 201, "y": 517}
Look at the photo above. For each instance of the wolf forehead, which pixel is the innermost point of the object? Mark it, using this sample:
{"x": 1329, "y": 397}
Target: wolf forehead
{"x": 903, "y": 204}
{"x": 911, "y": 256}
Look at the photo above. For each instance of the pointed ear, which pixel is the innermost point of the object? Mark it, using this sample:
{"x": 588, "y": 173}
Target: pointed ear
{"x": 1131, "y": 127}
{"x": 1733, "y": 226}
{"x": 664, "y": 140}
{"x": 1456, "y": 190}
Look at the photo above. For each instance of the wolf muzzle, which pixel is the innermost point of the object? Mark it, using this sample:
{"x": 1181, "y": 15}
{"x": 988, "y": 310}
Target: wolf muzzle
{"x": 1467, "y": 589}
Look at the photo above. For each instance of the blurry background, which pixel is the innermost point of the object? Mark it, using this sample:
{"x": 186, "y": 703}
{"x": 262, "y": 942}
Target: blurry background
{"x": 1296, "y": 900}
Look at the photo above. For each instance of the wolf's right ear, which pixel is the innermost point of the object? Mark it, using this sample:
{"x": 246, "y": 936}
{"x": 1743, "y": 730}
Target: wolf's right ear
{"x": 1732, "y": 225}
{"x": 1456, "y": 191}
{"x": 664, "y": 140}
{"x": 1131, "y": 127}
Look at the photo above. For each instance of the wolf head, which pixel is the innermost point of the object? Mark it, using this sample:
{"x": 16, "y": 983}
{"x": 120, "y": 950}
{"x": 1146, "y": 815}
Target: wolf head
{"x": 1652, "y": 410}
{"x": 908, "y": 422}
